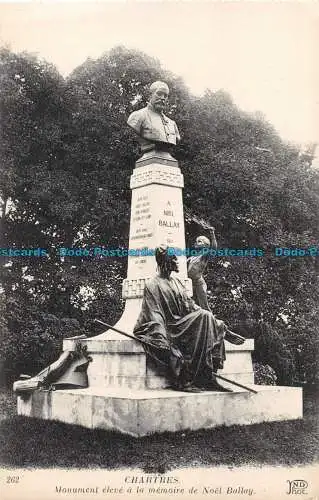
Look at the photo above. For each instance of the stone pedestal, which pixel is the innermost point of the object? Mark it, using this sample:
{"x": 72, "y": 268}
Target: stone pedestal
{"x": 125, "y": 391}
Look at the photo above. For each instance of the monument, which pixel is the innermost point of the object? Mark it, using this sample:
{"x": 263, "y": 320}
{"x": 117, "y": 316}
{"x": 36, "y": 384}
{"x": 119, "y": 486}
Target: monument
{"x": 126, "y": 392}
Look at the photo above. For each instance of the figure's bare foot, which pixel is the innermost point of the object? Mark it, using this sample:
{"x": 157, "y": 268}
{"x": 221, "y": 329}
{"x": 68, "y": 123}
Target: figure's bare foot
{"x": 192, "y": 388}
{"x": 188, "y": 387}
{"x": 212, "y": 385}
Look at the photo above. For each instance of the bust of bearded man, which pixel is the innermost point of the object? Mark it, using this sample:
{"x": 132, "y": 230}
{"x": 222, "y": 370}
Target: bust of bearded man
{"x": 154, "y": 128}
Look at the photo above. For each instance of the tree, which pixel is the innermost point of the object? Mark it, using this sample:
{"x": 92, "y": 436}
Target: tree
{"x": 66, "y": 159}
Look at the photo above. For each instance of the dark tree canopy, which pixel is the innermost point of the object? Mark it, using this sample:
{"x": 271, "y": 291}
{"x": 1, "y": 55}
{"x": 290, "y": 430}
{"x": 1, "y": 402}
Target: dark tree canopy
{"x": 66, "y": 157}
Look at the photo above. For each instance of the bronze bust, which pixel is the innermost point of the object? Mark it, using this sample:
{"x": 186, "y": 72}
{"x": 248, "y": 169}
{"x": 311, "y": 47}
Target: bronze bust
{"x": 155, "y": 130}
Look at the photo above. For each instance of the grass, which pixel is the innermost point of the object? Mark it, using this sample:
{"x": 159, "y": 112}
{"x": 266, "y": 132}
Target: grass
{"x": 37, "y": 443}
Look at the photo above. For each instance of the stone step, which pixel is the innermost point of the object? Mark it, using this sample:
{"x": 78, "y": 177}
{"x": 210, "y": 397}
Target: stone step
{"x": 143, "y": 412}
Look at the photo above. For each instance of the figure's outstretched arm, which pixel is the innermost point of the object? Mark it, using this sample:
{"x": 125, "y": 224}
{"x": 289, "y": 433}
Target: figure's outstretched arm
{"x": 213, "y": 240}
{"x": 206, "y": 227}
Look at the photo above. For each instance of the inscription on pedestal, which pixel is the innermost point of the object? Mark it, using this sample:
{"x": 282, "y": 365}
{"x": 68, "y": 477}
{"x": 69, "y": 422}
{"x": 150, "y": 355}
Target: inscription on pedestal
{"x": 141, "y": 217}
{"x": 168, "y": 223}
{"x": 156, "y": 218}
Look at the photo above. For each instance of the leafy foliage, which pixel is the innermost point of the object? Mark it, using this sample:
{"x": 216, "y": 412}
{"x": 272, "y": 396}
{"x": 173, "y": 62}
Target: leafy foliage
{"x": 264, "y": 374}
{"x": 65, "y": 161}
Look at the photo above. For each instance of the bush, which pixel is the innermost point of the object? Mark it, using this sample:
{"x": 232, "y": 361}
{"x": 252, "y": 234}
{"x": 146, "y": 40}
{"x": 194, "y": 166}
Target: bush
{"x": 264, "y": 374}
{"x": 34, "y": 344}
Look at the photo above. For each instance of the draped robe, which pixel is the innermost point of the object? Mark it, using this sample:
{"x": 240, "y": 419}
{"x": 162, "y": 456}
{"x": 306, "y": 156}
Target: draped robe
{"x": 172, "y": 325}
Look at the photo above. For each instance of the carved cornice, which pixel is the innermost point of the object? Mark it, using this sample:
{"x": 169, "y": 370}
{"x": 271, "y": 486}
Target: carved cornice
{"x": 169, "y": 176}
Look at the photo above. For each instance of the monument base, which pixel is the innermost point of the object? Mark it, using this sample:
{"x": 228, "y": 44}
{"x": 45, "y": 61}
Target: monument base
{"x": 143, "y": 412}
{"x": 127, "y": 394}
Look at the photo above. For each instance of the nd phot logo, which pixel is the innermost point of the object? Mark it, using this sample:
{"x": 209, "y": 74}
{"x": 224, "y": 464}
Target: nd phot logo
{"x": 297, "y": 487}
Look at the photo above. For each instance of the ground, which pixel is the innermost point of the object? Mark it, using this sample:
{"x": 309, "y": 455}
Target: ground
{"x": 37, "y": 443}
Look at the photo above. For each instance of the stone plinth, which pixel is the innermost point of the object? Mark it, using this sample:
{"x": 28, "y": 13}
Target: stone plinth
{"x": 144, "y": 412}
{"x": 121, "y": 362}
